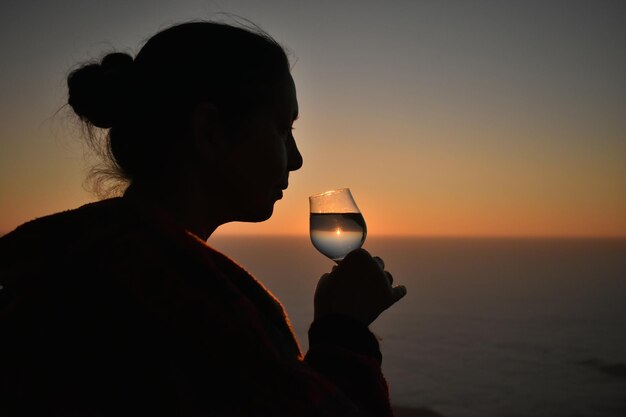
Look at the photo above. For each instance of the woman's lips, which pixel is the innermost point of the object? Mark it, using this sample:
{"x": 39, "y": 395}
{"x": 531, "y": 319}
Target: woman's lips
{"x": 280, "y": 188}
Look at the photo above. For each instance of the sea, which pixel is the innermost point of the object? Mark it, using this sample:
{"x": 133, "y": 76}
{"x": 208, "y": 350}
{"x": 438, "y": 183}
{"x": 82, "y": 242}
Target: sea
{"x": 490, "y": 327}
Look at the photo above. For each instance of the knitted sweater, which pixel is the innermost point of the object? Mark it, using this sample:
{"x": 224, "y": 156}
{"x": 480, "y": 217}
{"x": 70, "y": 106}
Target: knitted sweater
{"x": 114, "y": 310}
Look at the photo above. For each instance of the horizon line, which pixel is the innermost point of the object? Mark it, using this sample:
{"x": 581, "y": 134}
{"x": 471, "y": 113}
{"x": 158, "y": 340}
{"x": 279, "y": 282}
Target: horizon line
{"x": 431, "y": 236}
{"x": 418, "y": 235}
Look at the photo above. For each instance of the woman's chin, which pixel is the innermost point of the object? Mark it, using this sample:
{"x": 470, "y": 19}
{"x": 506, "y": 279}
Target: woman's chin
{"x": 258, "y": 215}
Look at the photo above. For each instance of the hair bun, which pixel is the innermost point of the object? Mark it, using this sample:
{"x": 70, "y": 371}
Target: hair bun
{"x": 98, "y": 93}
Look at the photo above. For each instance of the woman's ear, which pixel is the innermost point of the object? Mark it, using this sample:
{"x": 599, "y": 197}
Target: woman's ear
{"x": 207, "y": 133}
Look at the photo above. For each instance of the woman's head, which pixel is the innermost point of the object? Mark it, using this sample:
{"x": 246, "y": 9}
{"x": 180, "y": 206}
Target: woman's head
{"x": 147, "y": 102}
{"x": 203, "y": 104}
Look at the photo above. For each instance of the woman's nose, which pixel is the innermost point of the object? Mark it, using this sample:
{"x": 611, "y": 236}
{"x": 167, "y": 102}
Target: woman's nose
{"x": 294, "y": 158}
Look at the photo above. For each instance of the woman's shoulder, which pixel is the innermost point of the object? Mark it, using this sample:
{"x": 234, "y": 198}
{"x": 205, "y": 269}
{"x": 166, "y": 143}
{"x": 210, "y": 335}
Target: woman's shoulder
{"x": 67, "y": 220}
{"x": 102, "y": 253}
{"x": 107, "y": 232}
{"x": 48, "y": 235}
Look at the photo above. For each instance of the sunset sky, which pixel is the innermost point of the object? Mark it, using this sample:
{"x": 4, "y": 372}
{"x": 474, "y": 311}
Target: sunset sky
{"x": 485, "y": 118}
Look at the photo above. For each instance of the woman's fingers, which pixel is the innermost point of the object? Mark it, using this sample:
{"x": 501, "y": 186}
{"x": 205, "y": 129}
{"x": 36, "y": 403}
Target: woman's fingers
{"x": 398, "y": 292}
{"x": 364, "y": 255}
{"x": 359, "y": 287}
{"x": 380, "y": 262}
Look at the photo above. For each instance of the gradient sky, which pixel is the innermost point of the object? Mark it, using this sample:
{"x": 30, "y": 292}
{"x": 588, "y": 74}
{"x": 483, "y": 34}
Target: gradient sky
{"x": 443, "y": 117}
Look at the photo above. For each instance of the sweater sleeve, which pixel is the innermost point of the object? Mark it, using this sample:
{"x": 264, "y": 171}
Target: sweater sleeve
{"x": 228, "y": 365}
{"x": 344, "y": 351}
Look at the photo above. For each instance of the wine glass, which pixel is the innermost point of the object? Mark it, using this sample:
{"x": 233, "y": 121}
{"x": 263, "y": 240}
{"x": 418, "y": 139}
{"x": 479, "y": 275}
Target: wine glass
{"x": 337, "y": 225}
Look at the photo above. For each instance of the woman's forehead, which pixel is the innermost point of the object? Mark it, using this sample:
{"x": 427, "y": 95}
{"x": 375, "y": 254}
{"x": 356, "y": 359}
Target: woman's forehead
{"x": 286, "y": 101}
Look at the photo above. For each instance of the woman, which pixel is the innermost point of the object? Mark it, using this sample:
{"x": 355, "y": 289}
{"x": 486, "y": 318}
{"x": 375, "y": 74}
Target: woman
{"x": 120, "y": 308}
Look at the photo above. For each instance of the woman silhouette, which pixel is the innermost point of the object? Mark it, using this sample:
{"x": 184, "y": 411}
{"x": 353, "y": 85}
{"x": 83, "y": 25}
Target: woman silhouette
{"x": 120, "y": 307}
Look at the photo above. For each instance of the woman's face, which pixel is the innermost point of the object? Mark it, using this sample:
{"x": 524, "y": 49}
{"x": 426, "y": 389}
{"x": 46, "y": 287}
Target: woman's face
{"x": 256, "y": 168}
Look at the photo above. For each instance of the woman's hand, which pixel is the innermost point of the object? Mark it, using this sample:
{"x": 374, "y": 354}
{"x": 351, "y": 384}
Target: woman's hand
{"x": 359, "y": 287}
